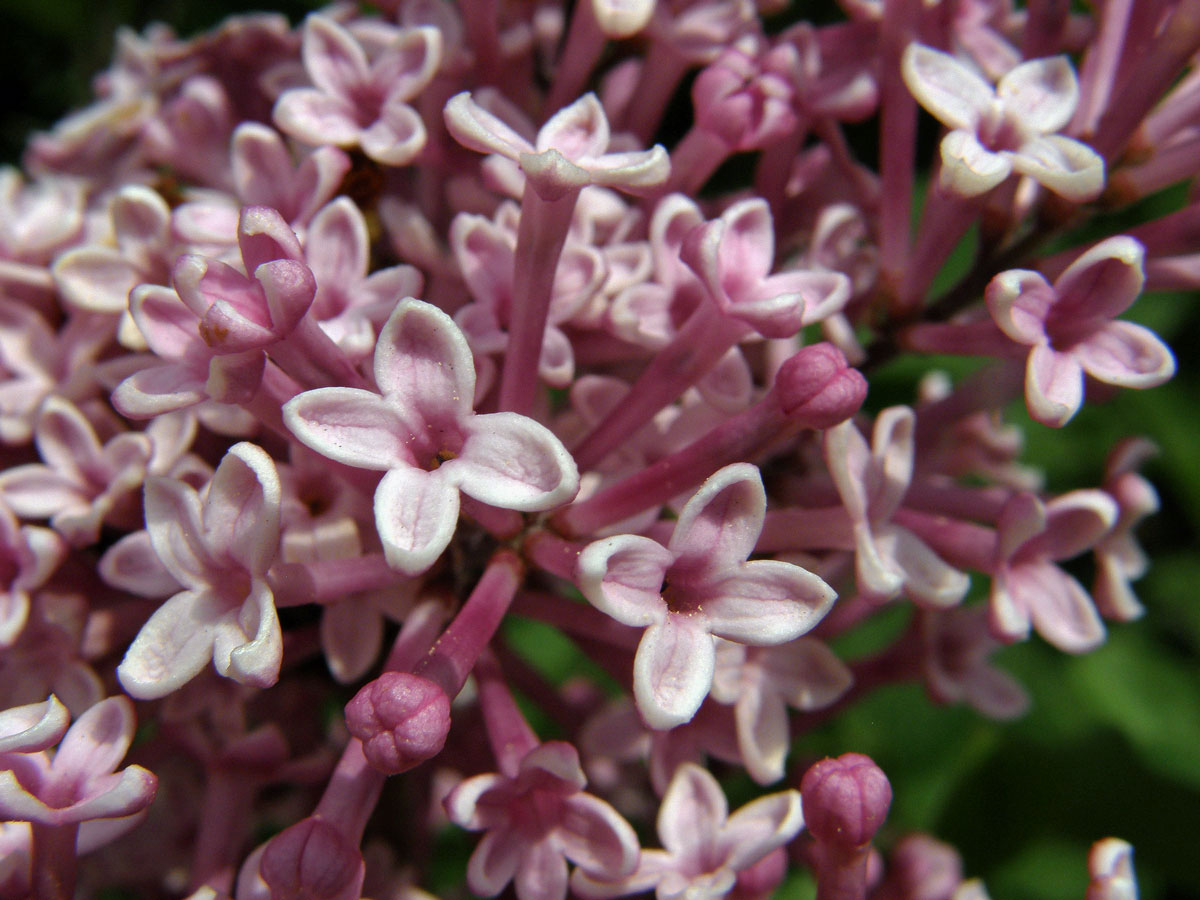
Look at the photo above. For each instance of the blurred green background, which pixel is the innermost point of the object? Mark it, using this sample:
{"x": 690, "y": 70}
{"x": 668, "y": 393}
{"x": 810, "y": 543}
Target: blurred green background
{"x": 1112, "y": 744}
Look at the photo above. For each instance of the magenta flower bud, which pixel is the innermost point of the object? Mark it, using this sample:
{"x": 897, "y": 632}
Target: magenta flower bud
{"x": 845, "y": 800}
{"x": 761, "y": 880}
{"x": 817, "y": 387}
{"x": 401, "y": 719}
{"x": 921, "y": 868}
{"x": 314, "y": 860}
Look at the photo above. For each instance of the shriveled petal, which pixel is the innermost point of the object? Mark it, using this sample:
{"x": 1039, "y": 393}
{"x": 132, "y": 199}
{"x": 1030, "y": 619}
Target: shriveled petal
{"x": 596, "y": 837}
{"x": 423, "y": 360}
{"x": 415, "y": 513}
{"x": 969, "y": 168}
{"x": 719, "y": 526}
{"x": 396, "y": 137}
{"x": 1041, "y": 93}
{"x": 511, "y": 461}
{"x": 766, "y": 602}
{"x": 494, "y": 862}
{"x": 352, "y": 426}
{"x": 1127, "y": 355}
{"x": 635, "y": 172}
{"x": 173, "y": 646}
{"x": 672, "y": 672}
{"x": 248, "y": 643}
{"x": 242, "y": 508}
{"x": 1053, "y": 385}
{"x": 1066, "y": 166}
{"x": 692, "y": 813}
{"x": 542, "y": 873}
{"x": 954, "y": 94}
{"x": 761, "y": 826}
{"x": 1061, "y": 610}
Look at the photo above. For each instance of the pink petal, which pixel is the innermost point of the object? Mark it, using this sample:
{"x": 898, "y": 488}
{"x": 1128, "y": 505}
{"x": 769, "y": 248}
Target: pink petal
{"x": 175, "y": 524}
{"x": 622, "y": 576}
{"x": 542, "y": 873}
{"x": 692, "y": 813}
{"x": 720, "y": 524}
{"x": 1127, "y": 355}
{"x": 1100, "y": 284}
{"x": 969, "y": 168}
{"x": 97, "y": 742}
{"x": 33, "y": 727}
{"x": 337, "y": 248}
{"x": 1075, "y": 523}
{"x": 158, "y": 390}
{"x": 247, "y": 643}
{"x": 409, "y": 63}
{"x": 1061, "y": 610}
{"x": 96, "y": 278}
{"x": 1041, "y": 94}
{"x": 242, "y": 508}
{"x": 1019, "y": 301}
{"x": 355, "y": 427}
{"x": 351, "y": 637}
{"x": 1053, "y": 385}
{"x": 760, "y": 827}
{"x": 262, "y": 166}
{"x": 36, "y": 491}
{"x": 332, "y": 57}
{"x": 396, "y": 137}
{"x": 132, "y": 565}
{"x": 766, "y": 602}
{"x": 464, "y": 809}
{"x": 672, "y": 672}
{"x": 316, "y": 118}
{"x": 422, "y": 360}
{"x": 954, "y": 94}
{"x": 927, "y": 578}
{"x": 494, "y": 862}
{"x": 763, "y": 737}
{"x": 415, "y": 513}
{"x": 66, "y": 440}
{"x": 595, "y": 837}
{"x": 1066, "y": 166}
{"x": 578, "y": 132}
{"x": 477, "y": 129}
{"x": 173, "y": 646}
{"x": 170, "y": 328}
{"x": 511, "y": 461}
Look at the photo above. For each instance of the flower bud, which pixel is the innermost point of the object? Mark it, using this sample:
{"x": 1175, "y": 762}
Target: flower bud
{"x": 922, "y": 868}
{"x": 761, "y": 880}
{"x": 845, "y": 800}
{"x": 401, "y": 719}
{"x": 313, "y": 860}
{"x": 817, "y": 387}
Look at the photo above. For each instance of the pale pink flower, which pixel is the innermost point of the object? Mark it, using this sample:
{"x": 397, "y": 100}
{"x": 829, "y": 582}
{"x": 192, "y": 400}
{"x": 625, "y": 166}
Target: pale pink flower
{"x": 1071, "y": 329}
{"x": 422, "y": 431}
{"x": 705, "y": 846}
{"x": 219, "y": 548}
{"x": 699, "y": 587}
{"x": 535, "y": 822}
{"x": 1011, "y": 127}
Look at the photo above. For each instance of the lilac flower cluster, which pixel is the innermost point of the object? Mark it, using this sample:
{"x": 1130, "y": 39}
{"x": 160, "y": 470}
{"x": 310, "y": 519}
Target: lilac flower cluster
{"x": 326, "y": 348}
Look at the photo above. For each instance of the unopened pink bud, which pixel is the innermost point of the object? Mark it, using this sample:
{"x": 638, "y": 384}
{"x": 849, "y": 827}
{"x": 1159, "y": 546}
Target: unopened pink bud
{"x": 312, "y": 860}
{"x": 817, "y": 387}
{"x": 922, "y": 868}
{"x": 761, "y": 880}
{"x": 401, "y": 719}
{"x": 845, "y": 800}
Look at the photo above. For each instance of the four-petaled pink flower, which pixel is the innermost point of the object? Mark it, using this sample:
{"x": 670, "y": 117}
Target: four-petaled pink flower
{"x": 79, "y": 783}
{"x": 1070, "y": 328}
{"x": 699, "y": 587}
{"x": 1027, "y": 586}
{"x": 424, "y": 434}
{"x": 705, "y": 847}
{"x": 364, "y": 80}
{"x": 571, "y": 150}
{"x": 535, "y": 821}
{"x": 1012, "y": 127}
{"x": 219, "y": 548}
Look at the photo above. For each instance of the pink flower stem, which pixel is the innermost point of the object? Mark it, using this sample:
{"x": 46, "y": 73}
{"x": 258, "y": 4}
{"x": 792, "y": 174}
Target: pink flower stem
{"x": 333, "y": 579}
{"x": 55, "y": 861}
{"x": 311, "y": 357}
{"x": 502, "y": 524}
{"x": 552, "y": 554}
{"x": 540, "y": 239}
{"x": 1043, "y": 34}
{"x": 24, "y": 275}
{"x": 451, "y": 659}
{"x": 661, "y": 74}
{"x": 898, "y": 133}
{"x": 774, "y": 168}
{"x": 1173, "y": 45}
{"x": 228, "y": 799}
{"x": 697, "y": 155}
{"x": 806, "y": 528}
{"x": 742, "y": 438}
{"x": 1100, "y": 67}
{"x": 944, "y": 221}
{"x": 481, "y": 20}
{"x": 842, "y": 872}
{"x": 1176, "y": 112}
{"x": 698, "y": 346}
{"x": 353, "y": 789}
{"x": 508, "y": 732}
{"x": 580, "y": 52}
